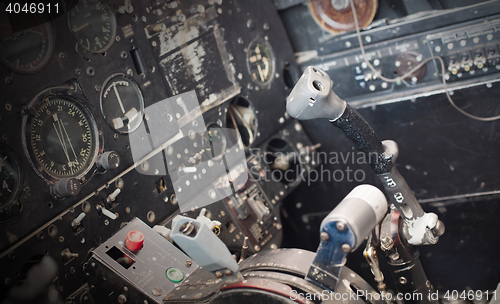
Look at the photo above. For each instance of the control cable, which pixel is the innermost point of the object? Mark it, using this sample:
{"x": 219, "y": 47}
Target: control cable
{"x": 410, "y": 72}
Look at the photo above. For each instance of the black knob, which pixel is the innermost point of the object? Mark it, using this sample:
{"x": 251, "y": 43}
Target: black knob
{"x": 66, "y": 187}
{"x": 109, "y": 160}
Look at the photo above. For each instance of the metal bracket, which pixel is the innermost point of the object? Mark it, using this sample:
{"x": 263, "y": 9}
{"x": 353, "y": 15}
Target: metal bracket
{"x": 337, "y": 239}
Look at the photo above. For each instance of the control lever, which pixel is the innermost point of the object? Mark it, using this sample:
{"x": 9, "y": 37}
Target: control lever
{"x": 312, "y": 98}
{"x": 200, "y": 242}
{"x": 343, "y": 230}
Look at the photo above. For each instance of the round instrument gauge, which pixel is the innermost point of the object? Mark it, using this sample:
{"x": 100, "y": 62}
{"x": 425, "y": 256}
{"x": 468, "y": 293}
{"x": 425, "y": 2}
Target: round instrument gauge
{"x": 214, "y": 141}
{"x": 260, "y": 61}
{"x": 93, "y": 25}
{"x": 62, "y": 137}
{"x": 122, "y": 104}
{"x": 10, "y": 176}
{"x": 336, "y": 17}
{"x": 26, "y": 51}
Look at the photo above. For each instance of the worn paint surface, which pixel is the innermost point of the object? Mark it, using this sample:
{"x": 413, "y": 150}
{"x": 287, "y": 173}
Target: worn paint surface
{"x": 194, "y": 57}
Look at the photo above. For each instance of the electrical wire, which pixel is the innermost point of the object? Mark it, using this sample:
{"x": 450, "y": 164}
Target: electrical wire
{"x": 410, "y": 72}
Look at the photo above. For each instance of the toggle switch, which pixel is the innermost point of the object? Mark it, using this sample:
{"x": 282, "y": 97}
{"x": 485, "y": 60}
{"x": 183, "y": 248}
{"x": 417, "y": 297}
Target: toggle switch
{"x": 113, "y": 195}
{"x": 106, "y": 212}
{"x": 126, "y": 8}
{"x": 188, "y": 169}
{"x": 78, "y": 220}
{"x": 160, "y": 27}
{"x": 67, "y": 255}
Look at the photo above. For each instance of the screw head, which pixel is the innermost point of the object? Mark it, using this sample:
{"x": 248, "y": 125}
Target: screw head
{"x": 189, "y": 263}
{"x": 122, "y": 299}
{"x": 346, "y": 248}
{"x": 156, "y": 291}
{"x": 340, "y": 225}
{"x": 228, "y": 272}
{"x": 324, "y": 236}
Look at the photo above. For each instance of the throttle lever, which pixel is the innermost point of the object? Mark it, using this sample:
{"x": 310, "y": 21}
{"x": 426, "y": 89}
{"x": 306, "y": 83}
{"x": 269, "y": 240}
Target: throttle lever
{"x": 343, "y": 230}
{"x": 313, "y": 98}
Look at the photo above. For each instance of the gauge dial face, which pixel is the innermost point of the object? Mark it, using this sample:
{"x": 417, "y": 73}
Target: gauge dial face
{"x": 62, "y": 137}
{"x": 10, "y": 176}
{"x": 260, "y": 62}
{"x": 122, "y": 104}
{"x": 93, "y": 25}
{"x": 26, "y": 51}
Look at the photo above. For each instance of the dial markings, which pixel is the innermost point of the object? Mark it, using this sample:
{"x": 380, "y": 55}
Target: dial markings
{"x": 93, "y": 25}
{"x": 61, "y": 138}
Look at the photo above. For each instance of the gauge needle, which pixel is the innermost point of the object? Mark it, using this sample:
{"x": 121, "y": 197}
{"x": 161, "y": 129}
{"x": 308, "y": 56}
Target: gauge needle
{"x": 260, "y": 73}
{"x": 71, "y": 146}
{"x": 266, "y": 65}
{"x": 81, "y": 27}
{"x": 60, "y": 137}
{"x": 118, "y": 97}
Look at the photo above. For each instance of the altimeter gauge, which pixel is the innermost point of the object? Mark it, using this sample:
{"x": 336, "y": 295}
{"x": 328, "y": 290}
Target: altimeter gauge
{"x": 62, "y": 137}
{"x": 122, "y": 103}
{"x": 93, "y": 25}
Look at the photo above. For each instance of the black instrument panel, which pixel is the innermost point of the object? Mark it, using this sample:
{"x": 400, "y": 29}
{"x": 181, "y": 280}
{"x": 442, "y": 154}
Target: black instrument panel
{"x": 68, "y": 115}
{"x": 72, "y": 101}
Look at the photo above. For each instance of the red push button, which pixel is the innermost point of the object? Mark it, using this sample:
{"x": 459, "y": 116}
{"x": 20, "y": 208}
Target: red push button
{"x": 134, "y": 240}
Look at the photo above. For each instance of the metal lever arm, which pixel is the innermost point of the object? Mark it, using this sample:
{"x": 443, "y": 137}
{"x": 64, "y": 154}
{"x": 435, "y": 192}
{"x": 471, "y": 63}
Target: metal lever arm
{"x": 312, "y": 98}
{"x": 343, "y": 231}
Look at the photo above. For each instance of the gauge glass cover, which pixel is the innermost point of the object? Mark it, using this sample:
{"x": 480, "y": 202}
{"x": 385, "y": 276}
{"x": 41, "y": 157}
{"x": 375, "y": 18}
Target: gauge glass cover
{"x": 26, "y": 51}
{"x": 260, "y": 62}
{"x": 122, "y": 103}
{"x": 93, "y": 25}
{"x": 62, "y": 137}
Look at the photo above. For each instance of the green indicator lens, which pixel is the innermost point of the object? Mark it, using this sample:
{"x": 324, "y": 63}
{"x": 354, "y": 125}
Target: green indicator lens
{"x": 175, "y": 275}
